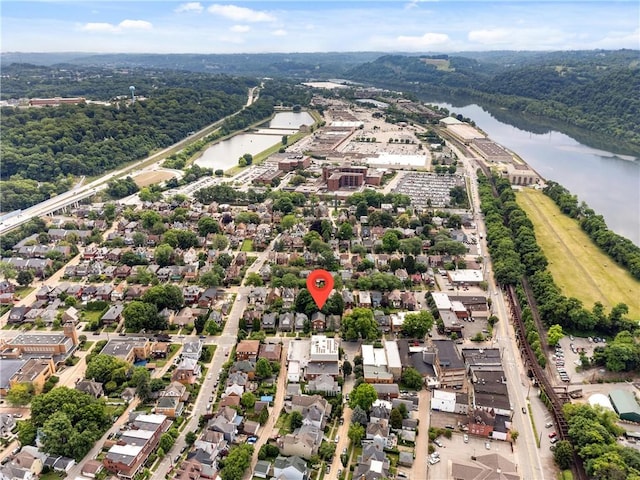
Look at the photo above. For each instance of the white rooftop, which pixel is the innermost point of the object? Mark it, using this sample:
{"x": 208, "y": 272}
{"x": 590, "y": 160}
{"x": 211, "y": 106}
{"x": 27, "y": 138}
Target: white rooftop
{"x": 465, "y": 276}
{"x": 127, "y": 450}
{"x": 385, "y": 158}
{"x": 441, "y": 300}
{"x": 144, "y": 434}
{"x": 393, "y": 355}
{"x": 151, "y": 418}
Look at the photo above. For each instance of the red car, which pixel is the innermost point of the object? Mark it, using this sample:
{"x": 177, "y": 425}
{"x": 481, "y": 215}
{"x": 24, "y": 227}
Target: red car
{"x": 552, "y": 434}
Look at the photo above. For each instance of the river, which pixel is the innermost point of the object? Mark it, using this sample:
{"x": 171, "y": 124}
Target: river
{"x": 608, "y": 182}
{"x": 224, "y": 155}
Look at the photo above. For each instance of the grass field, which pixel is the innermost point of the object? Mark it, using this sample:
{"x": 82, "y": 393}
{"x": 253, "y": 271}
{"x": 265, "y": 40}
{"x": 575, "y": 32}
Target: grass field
{"x": 578, "y": 266}
{"x": 149, "y": 178}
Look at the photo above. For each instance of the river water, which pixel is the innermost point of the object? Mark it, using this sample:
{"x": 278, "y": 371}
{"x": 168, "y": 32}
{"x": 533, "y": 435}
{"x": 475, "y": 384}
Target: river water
{"x": 224, "y": 155}
{"x": 608, "y": 182}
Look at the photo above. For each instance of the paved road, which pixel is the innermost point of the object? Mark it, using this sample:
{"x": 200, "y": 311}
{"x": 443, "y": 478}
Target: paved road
{"x": 526, "y": 451}
{"x": 267, "y": 430}
{"x": 421, "y": 451}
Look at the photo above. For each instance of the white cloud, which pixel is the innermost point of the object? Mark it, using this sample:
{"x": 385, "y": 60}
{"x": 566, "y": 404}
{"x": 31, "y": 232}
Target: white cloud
{"x": 496, "y": 35}
{"x": 99, "y": 27}
{"x": 135, "y": 25}
{"x": 195, "y": 7}
{"x": 427, "y": 40}
{"x": 240, "y": 28}
{"x": 103, "y": 27}
{"x": 279, "y": 33}
{"x": 240, "y": 14}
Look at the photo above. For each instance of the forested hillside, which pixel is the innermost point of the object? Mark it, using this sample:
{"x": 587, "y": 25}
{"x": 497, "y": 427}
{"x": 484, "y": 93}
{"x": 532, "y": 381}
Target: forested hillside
{"x": 593, "y": 90}
{"x": 43, "y": 149}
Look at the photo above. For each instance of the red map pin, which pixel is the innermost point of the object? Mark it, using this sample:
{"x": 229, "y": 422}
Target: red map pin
{"x": 320, "y": 284}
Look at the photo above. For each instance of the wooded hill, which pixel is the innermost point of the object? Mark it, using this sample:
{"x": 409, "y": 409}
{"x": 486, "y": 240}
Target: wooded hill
{"x": 594, "y": 90}
{"x": 42, "y": 148}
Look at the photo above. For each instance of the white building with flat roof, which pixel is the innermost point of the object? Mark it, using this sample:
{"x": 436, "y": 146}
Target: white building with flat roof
{"x": 443, "y": 401}
{"x": 441, "y": 300}
{"x": 394, "y": 364}
{"x": 470, "y": 277}
{"x": 323, "y": 349}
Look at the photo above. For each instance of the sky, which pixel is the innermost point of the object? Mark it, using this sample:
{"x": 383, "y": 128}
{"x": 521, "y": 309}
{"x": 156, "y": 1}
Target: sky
{"x": 428, "y": 26}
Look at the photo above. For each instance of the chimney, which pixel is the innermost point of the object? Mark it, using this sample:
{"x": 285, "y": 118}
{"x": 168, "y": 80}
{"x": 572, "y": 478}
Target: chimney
{"x": 69, "y": 331}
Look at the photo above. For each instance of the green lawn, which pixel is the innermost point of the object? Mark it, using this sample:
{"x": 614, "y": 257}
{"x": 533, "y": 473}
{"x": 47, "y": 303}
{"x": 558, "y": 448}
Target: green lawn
{"x": 578, "y": 266}
{"x": 92, "y": 316}
{"x": 247, "y": 245}
{"x": 86, "y": 346}
{"x": 24, "y": 291}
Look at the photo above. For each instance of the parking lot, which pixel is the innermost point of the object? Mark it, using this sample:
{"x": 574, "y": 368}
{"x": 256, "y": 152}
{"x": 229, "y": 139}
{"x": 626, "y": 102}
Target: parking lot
{"x": 456, "y": 450}
{"x": 572, "y": 359}
{"x": 424, "y": 187}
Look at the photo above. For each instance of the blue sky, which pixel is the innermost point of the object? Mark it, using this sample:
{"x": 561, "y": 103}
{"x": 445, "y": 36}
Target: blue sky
{"x": 316, "y": 26}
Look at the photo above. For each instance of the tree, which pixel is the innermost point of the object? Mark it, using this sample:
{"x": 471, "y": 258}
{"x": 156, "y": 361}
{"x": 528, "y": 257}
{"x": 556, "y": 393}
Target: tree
{"x": 141, "y": 380}
{"x": 347, "y": 368}
{"x": 26, "y": 432}
{"x": 248, "y": 400}
{"x": 296, "y": 419}
{"x": 360, "y": 324}
{"x": 8, "y": 270}
{"x": 356, "y": 433}
{"x": 417, "y": 325}
{"x": 395, "y": 418}
{"x": 25, "y": 277}
{"x": 264, "y": 416}
{"x": 554, "y": 334}
{"x": 327, "y": 451}
{"x": 164, "y": 296}
{"x": 390, "y": 241}
{"x": 563, "y": 454}
{"x": 412, "y": 378}
{"x": 207, "y": 225}
{"x": 235, "y": 464}
{"x": 514, "y": 435}
{"x": 166, "y": 441}
{"x": 363, "y": 395}
{"x": 263, "y": 368}
{"x": 163, "y": 254}
{"x": 101, "y": 368}
{"x": 254, "y": 280}
{"x": 20, "y": 394}
{"x": 141, "y": 315}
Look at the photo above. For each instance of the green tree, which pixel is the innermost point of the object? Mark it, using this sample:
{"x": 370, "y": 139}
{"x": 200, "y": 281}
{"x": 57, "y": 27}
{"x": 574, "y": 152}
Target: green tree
{"x": 417, "y": 325}
{"x": 207, "y": 225}
{"x": 248, "y": 400}
{"x": 166, "y": 442}
{"x": 347, "y": 369}
{"x": 295, "y": 419}
{"x": 25, "y": 277}
{"x": 163, "y": 254}
{"x": 20, "y": 394}
{"x": 102, "y": 367}
{"x": 26, "y": 432}
{"x": 356, "y": 433}
{"x": 554, "y": 334}
{"x": 327, "y": 451}
{"x": 254, "y": 280}
{"x": 363, "y": 396}
{"x": 390, "y": 241}
{"x": 563, "y": 454}
{"x": 141, "y": 380}
{"x": 514, "y": 435}
{"x": 360, "y": 324}
{"x": 263, "y": 368}
{"x": 264, "y": 416}
{"x": 141, "y": 315}
{"x": 395, "y": 418}
{"x": 412, "y": 378}
{"x": 164, "y": 296}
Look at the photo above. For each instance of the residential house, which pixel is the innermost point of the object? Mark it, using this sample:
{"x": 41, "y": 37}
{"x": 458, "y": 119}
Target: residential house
{"x": 303, "y": 442}
{"x": 192, "y": 350}
{"x": 92, "y": 388}
{"x": 290, "y": 468}
{"x": 113, "y": 316}
{"x": 318, "y": 322}
{"x": 171, "y": 400}
{"x": 226, "y": 422}
{"x": 248, "y": 350}
{"x": 268, "y": 322}
{"x": 187, "y": 371}
{"x": 270, "y": 351}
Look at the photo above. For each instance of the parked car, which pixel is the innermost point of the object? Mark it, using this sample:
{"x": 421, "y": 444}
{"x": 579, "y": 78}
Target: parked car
{"x": 438, "y": 442}
{"x": 552, "y": 434}
{"x": 487, "y": 445}
{"x": 524, "y": 409}
{"x": 465, "y": 438}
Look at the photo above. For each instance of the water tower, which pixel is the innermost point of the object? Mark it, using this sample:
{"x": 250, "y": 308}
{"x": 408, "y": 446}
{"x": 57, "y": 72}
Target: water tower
{"x": 132, "y": 89}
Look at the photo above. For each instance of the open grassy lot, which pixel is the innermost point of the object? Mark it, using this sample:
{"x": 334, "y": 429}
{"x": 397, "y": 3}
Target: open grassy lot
{"x": 149, "y": 178}
{"x": 578, "y": 266}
